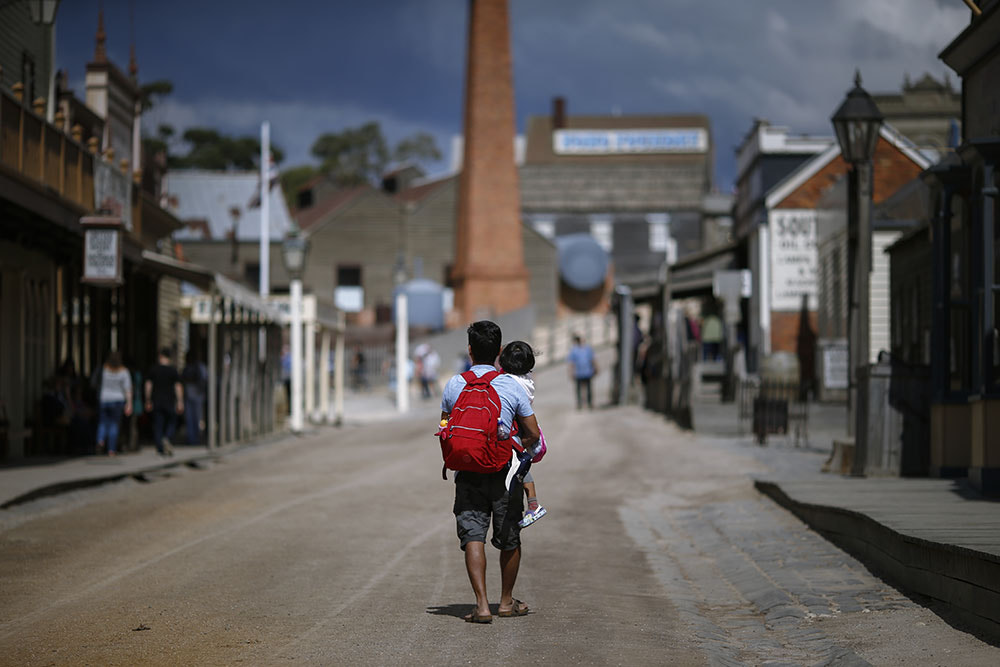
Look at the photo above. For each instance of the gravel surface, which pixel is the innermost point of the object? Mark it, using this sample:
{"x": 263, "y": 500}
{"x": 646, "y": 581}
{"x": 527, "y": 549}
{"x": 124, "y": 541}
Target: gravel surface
{"x": 340, "y": 548}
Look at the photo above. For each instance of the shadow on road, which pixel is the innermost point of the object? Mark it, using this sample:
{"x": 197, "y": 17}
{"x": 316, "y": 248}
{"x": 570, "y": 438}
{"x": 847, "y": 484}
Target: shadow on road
{"x": 459, "y": 610}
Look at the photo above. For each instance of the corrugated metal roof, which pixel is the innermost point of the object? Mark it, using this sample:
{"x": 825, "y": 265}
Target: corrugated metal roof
{"x": 618, "y": 187}
{"x": 213, "y": 195}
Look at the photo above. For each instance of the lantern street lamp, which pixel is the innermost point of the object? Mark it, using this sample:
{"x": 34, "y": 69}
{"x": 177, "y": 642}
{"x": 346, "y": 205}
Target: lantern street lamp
{"x": 293, "y": 252}
{"x": 43, "y": 12}
{"x": 857, "y": 124}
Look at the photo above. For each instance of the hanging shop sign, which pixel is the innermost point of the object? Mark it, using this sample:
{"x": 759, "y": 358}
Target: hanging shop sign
{"x": 102, "y": 250}
{"x": 603, "y": 142}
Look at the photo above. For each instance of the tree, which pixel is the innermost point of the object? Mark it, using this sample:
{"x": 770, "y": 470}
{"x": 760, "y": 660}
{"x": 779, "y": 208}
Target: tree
{"x": 420, "y": 146}
{"x": 210, "y": 149}
{"x": 150, "y": 92}
{"x": 361, "y": 155}
{"x": 293, "y": 178}
{"x": 353, "y": 156}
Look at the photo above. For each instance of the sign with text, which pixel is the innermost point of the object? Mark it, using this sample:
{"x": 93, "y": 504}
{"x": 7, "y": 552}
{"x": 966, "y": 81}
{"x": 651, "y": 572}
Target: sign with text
{"x": 793, "y": 259}
{"x": 102, "y": 251}
{"x": 835, "y": 362}
{"x": 603, "y": 142}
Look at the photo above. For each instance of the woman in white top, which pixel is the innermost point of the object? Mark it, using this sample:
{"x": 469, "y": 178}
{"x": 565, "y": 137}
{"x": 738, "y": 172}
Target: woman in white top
{"x": 116, "y": 399}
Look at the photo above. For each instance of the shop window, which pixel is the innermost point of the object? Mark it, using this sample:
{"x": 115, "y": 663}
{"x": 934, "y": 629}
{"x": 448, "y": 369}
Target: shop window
{"x": 251, "y": 274}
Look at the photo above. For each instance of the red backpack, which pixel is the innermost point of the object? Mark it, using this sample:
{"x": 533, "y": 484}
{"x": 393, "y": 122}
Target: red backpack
{"x": 469, "y": 441}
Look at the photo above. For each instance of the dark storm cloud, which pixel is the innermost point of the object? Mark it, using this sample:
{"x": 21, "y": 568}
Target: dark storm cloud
{"x": 313, "y": 67}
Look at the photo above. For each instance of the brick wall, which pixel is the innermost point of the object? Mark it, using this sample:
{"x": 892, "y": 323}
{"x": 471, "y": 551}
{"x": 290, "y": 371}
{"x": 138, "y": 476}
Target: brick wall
{"x": 785, "y": 330}
{"x": 488, "y": 200}
{"x": 892, "y": 169}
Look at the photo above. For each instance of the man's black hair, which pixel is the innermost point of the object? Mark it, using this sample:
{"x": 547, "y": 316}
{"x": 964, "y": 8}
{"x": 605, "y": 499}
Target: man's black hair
{"x": 166, "y": 352}
{"x": 484, "y": 341}
{"x": 517, "y": 358}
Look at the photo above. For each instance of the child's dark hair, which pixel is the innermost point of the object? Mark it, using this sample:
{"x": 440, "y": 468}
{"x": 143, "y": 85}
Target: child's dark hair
{"x": 517, "y": 358}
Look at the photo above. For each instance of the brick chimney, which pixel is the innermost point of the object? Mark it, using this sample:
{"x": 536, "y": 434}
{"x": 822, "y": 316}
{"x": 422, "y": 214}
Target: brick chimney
{"x": 558, "y": 113}
{"x": 489, "y": 275}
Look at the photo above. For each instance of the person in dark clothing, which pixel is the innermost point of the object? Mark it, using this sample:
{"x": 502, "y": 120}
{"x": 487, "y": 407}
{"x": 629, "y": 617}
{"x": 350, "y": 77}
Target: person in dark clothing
{"x": 195, "y": 377}
{"x": 165, "y": 400}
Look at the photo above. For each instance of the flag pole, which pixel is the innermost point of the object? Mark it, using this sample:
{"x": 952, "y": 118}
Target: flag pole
{"x": 265, "y": 209}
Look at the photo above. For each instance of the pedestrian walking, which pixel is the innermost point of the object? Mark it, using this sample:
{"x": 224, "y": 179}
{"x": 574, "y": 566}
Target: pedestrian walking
{"x": 115, "y": 400}
{"x": 430, "y": 365}
{"x": 164, "y": 400}
{"x": 582, "y": 369}
{"x": 469, "y": 445}
{"x": 195, "y": 379}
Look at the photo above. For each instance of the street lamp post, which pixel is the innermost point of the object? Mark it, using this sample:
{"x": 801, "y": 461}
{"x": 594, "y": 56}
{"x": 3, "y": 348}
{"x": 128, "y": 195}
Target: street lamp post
{"x": 294, "y": 251}
{"x": 857, "y": 124}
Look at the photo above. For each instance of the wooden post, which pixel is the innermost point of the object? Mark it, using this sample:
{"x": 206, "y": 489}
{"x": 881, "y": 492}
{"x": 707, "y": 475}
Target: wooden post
{"x": 338, "y": 372}
{"x": 324, "y": 376}
{"x": 60, "y": 122}
{"x": 310, "y": 362}
{"x": 212, "y": 423}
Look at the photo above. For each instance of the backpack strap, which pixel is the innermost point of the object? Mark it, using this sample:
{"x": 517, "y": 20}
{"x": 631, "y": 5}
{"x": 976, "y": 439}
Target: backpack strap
{"x": 486, "y": 378}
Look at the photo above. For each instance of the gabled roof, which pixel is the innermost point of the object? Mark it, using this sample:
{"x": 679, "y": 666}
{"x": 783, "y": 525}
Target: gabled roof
{"x": 800, "y": 176}
{"x": 420, "y": 192}
{"x": 212, "y": 196}
{"x": 308, "y": 217}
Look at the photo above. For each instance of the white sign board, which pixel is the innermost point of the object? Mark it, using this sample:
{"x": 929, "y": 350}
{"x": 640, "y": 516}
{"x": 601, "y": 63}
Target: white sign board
{"x": 793, "y": 258}
{"x": 835, "y": 362}
{"x": 349, "y": 299}
{"x": 603, "y": 142}
{"x": 101, "y": 255}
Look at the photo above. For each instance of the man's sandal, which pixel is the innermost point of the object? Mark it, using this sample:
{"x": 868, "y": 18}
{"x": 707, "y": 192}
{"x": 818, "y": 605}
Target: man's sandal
{"x": 519, "y": 609}
{"x": 476, "y": 618}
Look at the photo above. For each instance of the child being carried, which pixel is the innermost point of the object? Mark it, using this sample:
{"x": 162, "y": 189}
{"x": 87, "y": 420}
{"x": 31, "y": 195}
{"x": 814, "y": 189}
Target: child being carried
{"x": 517, "y": 360}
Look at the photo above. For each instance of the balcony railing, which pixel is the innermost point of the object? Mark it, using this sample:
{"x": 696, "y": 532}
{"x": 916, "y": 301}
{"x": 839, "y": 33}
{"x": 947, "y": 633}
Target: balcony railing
{"x": 43, "y": 153}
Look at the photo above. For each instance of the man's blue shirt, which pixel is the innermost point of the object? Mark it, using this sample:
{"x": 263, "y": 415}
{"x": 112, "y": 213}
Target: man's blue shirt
{"x": 514, "y": 400}
{"x": 582, "y": 358}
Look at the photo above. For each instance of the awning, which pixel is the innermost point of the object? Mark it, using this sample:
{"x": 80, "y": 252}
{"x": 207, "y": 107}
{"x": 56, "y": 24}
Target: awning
{"x": 205, "y": 279}
{"x": 175, "y": 268}
{"x": 695, "y": 279}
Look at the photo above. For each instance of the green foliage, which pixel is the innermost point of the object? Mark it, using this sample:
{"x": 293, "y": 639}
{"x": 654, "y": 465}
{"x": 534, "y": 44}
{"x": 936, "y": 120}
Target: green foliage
{"x": 210, "y": 149}
{"x": 294, "y": 178}
{"x": 150, "y": 92}
{"x": 361, "y": 155}
{"x": 353, "y": 156}
{"x": 420, "y": 146}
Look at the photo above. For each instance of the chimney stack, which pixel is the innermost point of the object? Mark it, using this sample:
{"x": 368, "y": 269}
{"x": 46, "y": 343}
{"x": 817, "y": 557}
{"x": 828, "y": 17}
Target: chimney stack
{"x": 558, "y": 113}
{"x": 490, "y": 276}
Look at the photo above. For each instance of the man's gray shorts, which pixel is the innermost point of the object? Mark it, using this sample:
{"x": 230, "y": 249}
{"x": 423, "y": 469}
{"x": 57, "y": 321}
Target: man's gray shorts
{"x": 481, "y": 499}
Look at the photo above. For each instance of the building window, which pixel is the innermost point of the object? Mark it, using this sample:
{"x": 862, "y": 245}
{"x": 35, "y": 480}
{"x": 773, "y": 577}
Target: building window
{"x": 304, "y": 199}
{"x": 348, "y": 275}
{"x": 600, "y": 229}
{"x": 659, "y": 236}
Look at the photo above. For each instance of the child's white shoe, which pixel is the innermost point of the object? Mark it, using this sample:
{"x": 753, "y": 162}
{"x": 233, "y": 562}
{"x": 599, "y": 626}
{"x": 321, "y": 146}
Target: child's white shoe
{"x": 531, "y": 516}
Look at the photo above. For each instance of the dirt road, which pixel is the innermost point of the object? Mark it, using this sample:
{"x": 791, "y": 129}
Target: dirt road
{"x": 340, "y": 548}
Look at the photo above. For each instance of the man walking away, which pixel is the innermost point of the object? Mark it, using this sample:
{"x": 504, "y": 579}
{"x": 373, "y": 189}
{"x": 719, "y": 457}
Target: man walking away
{"x": 482, "y": 499}
{"x": 165, "y": 400}
{"x": 582, "y": 368}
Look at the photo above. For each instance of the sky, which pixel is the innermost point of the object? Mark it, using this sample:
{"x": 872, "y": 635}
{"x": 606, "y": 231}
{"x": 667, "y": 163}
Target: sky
{"x": 311, "y": 67}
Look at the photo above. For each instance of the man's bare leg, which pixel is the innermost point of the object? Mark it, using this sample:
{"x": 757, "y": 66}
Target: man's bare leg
{"x": 475, "y": 564}
{"x": 510, "y": 562}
